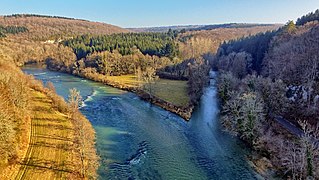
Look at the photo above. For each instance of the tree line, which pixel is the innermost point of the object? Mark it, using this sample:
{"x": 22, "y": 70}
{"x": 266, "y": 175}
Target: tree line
{"x": 38, "y": 15}
{"x": 313, "y": 16}
{"x": 256, "y": 46}
{"x": 158, "y": 44}
{"x": 12, "y": 30}
{"x": 110, "y": 63}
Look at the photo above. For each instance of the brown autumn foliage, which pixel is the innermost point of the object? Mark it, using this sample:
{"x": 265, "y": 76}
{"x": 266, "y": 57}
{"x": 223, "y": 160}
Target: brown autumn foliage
{"x": 197, "y": 43}
{"x": 22, "y": 51}
{"x": 84, "y": 138}
{"x": 14, "y": 109}
{"x": 14, "y": 96}
{"x": 51, "y": 28}
{"x": 41, "y": 41}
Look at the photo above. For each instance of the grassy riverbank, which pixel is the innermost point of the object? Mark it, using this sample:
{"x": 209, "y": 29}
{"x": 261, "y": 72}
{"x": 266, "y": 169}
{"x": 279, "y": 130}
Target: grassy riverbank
{"x": 37, "y": 138}
{"x": 171, "y": 95}
{"x": 51, "y": 152}
{"x": 173, "y": 91}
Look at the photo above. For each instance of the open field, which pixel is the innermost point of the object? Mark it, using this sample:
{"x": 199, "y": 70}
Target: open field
{"x": 49, "y": 155}
{"x": 172, "y": 91}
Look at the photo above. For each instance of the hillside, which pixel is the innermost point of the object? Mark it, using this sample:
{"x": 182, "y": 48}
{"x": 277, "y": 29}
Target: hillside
{"x": 196, "y": 27}
{"x": 196, "y": 43}
{"x": 38, "y": 137}
{"x": 25, "y": 105}
{"x": 165, "y": 28}
{"x": 34, "y": 38}
{"x": 269, "y": 89}
{"x": 53, "y": 28}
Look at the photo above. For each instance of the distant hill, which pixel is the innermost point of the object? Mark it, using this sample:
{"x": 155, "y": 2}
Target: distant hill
{"x": 29, "y": 37}
{"x": 198, "y": 27}
{"x": 165, "y": 28}
{"x": 197, "y": 42}
{"x": 42, "y": 27}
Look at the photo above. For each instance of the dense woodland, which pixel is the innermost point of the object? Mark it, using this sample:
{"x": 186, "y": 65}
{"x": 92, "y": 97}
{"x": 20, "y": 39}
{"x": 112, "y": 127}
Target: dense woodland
{"x": 193, "y": 44}
{"x": 14, "y": 117}
{"x": 112, "y": 55}
{"x": 256, "y": 46}
{"x": 158, "y": 44}
{"x": 270, "y": 75}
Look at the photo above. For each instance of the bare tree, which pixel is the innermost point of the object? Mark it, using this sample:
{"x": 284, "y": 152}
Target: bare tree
{"x": 51, "y": 87}
{"x": 310, "y": 146}
{"x": 300, "y": 158}
{"x": 84, "y": 137}
{"x": 74, "y": 101}
{"x": 149, "y": 77}
{"x": 243, "y": 115}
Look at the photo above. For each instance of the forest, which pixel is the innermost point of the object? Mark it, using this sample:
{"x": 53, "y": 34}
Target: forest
{"x": 158, "y": 44}
{"x": 256, "y": 46}
{"x": 12, "y": 30}
{"x": 265, "y": 78}
{"x": 313, "y": 16}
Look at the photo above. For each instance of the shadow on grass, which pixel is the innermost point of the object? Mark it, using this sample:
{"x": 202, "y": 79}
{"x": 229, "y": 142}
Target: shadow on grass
{"x": 55, "y": 120}
{"x": 40, "y": 165}
{"x": 41, "y": 99}
{"x": 53, "y": 146}
{"x": 55, "y": 127}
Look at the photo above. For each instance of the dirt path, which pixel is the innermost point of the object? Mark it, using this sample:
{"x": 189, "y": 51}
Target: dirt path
{"x": 288, "y": 126}
{"x": 49, "y": 155}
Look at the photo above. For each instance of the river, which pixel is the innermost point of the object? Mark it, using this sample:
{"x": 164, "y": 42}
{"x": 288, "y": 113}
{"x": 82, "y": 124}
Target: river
{"x": 137, "y": 140}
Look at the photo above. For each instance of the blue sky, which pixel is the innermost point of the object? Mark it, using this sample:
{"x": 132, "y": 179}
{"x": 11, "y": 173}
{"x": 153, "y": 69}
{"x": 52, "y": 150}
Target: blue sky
{"x": 143, "y": 13}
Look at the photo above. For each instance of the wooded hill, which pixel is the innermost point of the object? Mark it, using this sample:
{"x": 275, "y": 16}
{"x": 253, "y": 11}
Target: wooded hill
{"x": 184, "y": 28}
{"x": 196, "y": 43}
{"x": 55, "y": 28}
{"x": 78, "y": 46}
{"x": 34, "y": 38}
{"x": 270, "y": 80}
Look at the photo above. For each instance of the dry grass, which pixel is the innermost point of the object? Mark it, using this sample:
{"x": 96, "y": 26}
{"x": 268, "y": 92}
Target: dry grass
{"x": 172, "y": 91}
{"x": 50, "y": 153}
{"x": 128, "y": 80}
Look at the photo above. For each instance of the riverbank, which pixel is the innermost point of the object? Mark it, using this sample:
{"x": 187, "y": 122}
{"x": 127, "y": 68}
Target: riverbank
{"x": 184, "y": 112}
{"x": 54, "y": 149}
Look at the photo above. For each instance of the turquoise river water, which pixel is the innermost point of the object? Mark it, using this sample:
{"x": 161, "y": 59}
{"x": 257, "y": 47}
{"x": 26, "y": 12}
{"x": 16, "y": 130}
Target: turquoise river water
{"x": 136, "y": 140}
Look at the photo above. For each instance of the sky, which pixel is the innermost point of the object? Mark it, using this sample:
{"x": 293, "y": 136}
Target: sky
{"x": 150, "y": 13}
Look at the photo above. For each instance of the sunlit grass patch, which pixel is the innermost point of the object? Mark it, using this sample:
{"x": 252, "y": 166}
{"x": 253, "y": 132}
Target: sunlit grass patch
{"x": 173, "y": 91}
